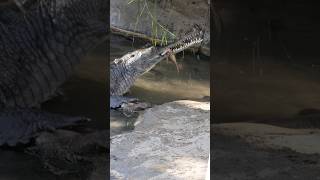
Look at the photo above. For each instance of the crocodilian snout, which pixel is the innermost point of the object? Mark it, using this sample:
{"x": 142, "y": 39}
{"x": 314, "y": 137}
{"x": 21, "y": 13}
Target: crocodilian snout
{"x": 195, "y": 37}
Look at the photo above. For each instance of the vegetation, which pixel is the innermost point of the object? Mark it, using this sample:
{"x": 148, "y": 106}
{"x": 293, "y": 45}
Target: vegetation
{"x": 159, "y": 33}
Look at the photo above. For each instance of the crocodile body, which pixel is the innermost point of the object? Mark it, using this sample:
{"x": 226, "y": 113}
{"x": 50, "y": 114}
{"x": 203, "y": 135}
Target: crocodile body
{"x": 39, "y": 49}
{"x": 126, "y": 70}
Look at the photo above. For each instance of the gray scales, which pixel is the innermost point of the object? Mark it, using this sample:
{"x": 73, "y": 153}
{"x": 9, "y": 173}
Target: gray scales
{"x": 126, "y": 70}
{"x": 39, "y": 48}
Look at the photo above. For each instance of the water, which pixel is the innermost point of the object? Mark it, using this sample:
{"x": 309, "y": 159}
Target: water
{"x": 84, "y": 95}
{"x": 163, "y": 83}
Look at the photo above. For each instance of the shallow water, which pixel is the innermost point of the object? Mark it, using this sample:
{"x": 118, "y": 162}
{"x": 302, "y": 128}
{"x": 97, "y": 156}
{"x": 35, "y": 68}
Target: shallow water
{"x": 84, "y": 95}
{"x": 163, "y": 83}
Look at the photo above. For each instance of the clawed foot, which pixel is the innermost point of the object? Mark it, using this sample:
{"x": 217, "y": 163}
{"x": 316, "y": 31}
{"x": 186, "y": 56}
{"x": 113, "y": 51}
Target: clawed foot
{"x": 129, "y": 109}
{"x": 128, "y": 106}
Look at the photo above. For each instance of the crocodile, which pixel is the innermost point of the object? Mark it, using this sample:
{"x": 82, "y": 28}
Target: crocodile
{"x": 126, "y": 70}
{"x": 39, "y": 49}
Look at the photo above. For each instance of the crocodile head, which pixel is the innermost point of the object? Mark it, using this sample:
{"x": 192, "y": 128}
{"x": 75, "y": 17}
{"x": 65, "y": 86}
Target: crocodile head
{"x": 125, "y": 70}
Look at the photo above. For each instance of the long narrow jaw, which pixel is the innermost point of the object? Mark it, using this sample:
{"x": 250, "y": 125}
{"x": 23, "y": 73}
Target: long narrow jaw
{"x": 192, "y": 39}
{"x": 125, "y": 70}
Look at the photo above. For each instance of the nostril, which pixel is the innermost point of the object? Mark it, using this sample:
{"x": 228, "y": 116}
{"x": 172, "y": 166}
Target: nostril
{"x": 132, "y": 55}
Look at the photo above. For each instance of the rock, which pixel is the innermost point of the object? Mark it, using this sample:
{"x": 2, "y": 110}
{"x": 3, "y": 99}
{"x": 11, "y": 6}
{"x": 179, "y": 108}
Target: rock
{"x": 177, "y": 16}
{"x": 170, "y": 141}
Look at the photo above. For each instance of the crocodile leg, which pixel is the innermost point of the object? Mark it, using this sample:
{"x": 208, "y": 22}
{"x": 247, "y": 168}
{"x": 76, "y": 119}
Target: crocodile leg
{"x": 127, "y": 105}
{"x": 118, "y": 101}
{"x": 22, "y": 125}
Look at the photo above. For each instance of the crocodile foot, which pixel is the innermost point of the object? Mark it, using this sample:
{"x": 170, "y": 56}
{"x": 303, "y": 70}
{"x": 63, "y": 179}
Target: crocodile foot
{"x": 20, "y": 126}
{"x": 128, "y": 106}
{"x": 118, "y": 101}
{"x": 129, "y": 109}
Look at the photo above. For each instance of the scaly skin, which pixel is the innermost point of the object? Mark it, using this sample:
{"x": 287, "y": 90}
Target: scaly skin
{"x": 125, "y": 70}
{"x": 40, "y": 48}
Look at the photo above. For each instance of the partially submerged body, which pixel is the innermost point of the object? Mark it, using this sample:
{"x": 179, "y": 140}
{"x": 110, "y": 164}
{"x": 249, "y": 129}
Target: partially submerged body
{"x": 126, "y": 70}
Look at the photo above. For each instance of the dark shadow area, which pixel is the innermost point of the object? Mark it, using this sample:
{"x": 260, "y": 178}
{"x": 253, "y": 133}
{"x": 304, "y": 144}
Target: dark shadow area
{"x": 84, "y": 94}
{"x": 266, "y": 59}
{"x": 266, "y": 90}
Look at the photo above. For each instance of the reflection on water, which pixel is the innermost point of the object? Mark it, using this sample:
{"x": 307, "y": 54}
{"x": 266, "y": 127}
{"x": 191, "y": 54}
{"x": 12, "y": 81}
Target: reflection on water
{"x": 84, "y": 95}
{"x": 163, "y": 83}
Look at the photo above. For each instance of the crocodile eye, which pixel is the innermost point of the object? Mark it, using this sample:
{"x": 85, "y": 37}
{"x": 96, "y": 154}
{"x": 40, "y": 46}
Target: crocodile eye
{"x": 132, "y": 55}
